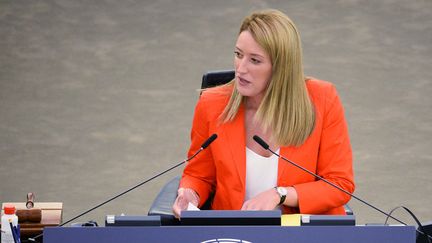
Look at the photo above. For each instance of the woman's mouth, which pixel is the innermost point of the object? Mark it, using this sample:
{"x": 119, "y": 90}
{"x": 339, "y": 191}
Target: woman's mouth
{"x": 243, "y": 81}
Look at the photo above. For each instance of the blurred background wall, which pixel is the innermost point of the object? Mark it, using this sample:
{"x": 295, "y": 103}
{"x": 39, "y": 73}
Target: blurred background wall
{"x": 97, "y": 96}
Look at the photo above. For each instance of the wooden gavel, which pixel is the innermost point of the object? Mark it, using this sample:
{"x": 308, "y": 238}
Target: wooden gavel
{"x": 30, "y": 214}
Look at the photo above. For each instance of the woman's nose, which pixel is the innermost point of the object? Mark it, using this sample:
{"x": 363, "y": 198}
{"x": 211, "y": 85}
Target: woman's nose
{"x": 241, "y": 65}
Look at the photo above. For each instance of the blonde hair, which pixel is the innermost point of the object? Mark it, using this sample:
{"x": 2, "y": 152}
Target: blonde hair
{"x": 286, "y": 108}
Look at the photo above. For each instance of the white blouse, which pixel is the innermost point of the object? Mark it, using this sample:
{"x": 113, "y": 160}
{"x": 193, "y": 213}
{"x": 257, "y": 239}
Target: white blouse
{"x": 261, "y": 173}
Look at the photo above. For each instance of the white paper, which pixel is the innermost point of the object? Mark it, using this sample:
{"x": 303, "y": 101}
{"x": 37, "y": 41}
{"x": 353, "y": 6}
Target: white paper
{"x": 192, "y": 207}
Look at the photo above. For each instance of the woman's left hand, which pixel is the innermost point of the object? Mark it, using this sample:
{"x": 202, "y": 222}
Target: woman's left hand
{"x": 266, "y": 200}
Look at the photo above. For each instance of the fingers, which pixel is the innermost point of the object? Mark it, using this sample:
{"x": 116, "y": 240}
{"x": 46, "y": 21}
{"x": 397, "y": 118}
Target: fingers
{"x": 253, "y": 205}
{"x": 246, "y": 206}
{"x": 180, "y": 204}
{"x": 177, "y": 208}
{"x": 258, "y": 206}
{"x": 184, "y": 197}
{"x": 266, "y": 200}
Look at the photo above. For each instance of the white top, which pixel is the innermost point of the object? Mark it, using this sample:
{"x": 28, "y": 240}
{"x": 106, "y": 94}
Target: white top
{"x": 261, "y": 173}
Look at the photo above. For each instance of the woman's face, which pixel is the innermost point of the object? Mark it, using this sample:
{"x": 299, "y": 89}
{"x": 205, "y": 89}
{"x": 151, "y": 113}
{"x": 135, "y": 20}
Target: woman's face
{"x": 253, "y": 68}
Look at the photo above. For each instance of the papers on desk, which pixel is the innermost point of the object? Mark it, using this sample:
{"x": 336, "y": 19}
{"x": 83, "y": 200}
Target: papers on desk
{"x": 192, "y": 207}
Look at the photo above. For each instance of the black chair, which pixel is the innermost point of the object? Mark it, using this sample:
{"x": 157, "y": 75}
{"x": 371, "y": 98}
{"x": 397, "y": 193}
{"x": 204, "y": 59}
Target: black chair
{"x": 215, "y": 78}
{"x": 162, "y": 205}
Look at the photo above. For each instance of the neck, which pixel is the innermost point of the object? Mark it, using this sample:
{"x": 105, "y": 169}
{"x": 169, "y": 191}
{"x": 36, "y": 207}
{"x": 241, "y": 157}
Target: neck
{"x": 252, "y": 103}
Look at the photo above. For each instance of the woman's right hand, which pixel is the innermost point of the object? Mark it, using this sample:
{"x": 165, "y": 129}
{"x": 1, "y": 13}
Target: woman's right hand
{"x": 184, "y": 197}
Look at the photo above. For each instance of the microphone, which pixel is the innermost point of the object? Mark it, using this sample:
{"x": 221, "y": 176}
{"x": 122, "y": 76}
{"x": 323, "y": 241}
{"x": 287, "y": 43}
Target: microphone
{"x": 203, "y": 146}
{"x": 208, "y": 141}
{"x": 263, "y": 144}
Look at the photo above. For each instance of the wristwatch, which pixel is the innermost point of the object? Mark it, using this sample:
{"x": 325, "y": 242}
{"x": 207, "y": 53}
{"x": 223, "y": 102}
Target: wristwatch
{"x": 282, "y": 191}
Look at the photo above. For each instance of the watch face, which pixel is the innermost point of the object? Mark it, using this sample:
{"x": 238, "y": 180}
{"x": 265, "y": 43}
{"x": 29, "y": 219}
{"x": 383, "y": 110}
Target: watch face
{"x": 282, "y": 190}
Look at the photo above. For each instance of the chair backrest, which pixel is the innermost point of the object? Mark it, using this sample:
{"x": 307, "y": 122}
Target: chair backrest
{"x": 215, "y": 78}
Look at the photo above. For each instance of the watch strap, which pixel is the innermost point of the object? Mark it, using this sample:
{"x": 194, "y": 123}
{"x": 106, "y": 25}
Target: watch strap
{"x": 282, "y": 197}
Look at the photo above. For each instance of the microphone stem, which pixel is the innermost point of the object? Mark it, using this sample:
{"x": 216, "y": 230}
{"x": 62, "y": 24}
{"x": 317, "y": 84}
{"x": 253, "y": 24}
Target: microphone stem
{"x": 133, "y": 188}
{"x": 337, "y": 187}
{"x": 121, "y": 194}
{"x": 267, "y": 147}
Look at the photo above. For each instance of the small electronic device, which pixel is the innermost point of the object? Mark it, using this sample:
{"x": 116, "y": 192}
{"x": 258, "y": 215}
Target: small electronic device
{"x": 327, "y": 220}
{"x": 130, "y": 220}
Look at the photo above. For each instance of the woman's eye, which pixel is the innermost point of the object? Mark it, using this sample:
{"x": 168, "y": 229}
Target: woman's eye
{"x": 237, "y": 54}
{"x": 255, "y": 61}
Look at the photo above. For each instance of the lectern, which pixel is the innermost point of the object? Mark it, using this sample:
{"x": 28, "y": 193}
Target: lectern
{"x": 231, "y": 234}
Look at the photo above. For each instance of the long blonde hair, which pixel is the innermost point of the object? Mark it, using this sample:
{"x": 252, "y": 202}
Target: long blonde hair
{"x": 286, "y": 108}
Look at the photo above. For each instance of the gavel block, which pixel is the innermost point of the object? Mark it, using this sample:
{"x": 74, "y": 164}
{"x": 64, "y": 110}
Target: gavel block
{"x": 32, "y": 221}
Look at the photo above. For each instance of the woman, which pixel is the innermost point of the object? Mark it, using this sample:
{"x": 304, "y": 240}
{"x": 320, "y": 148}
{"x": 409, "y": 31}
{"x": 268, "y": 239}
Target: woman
{"x": 300, "y": 118}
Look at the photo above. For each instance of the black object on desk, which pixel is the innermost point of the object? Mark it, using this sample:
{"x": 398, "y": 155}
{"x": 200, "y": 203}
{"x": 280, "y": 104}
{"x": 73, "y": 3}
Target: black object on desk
{"x": 230, "y": 217}
{"x": 132, "y": 220}
{"x": 327, "y": 220}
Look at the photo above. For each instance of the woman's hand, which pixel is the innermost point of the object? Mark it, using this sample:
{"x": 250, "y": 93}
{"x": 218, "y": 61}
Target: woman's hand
{"x": 269, "y": 200}
{"x": 184, "y": 197}
{"x": 266, "y": 200}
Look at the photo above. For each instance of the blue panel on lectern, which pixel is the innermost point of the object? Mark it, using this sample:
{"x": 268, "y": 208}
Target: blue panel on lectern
{"x": 253, "y": 234}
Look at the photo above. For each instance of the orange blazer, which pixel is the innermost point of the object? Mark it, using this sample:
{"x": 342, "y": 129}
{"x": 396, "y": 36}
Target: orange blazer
{"x": 220, "y": 170}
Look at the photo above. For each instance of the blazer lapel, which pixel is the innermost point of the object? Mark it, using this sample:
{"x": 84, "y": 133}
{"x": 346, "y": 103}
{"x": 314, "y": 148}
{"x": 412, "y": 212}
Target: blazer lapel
{"x": 235, "y": 133}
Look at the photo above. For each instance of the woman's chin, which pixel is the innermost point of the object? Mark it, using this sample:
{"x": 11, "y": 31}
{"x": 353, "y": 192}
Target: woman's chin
{"x": 245, "y": 91}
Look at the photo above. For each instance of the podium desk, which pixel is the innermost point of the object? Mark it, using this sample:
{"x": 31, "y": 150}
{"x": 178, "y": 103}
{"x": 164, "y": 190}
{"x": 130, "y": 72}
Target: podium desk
{"x": 231, "y": 234}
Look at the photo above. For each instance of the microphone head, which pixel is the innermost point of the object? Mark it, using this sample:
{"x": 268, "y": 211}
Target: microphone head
{"x": 261, "y": 142}
{"x": 209, "y": 141}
